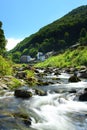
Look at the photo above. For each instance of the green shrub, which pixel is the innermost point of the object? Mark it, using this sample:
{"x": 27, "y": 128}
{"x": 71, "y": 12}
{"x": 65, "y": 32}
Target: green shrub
{"x": 5, "y": 67}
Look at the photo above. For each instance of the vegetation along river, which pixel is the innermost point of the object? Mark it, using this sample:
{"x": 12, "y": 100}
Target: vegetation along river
{"x": 58, "y": 109}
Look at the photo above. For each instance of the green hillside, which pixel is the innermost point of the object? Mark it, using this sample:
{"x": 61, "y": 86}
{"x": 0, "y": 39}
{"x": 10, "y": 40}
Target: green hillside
{"x": 60, "y": 34}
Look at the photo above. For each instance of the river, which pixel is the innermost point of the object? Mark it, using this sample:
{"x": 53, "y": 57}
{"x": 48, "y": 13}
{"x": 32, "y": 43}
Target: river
{"x": 58, "y": 110}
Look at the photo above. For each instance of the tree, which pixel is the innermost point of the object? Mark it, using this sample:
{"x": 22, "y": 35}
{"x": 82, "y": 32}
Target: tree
{"x": 16, "y": 57}
{"x": 2, "y": 40}
{"x": 25, "y": 52}
{"x": 66, "y": 36}
{"x": 83, "y": 32}
{"x": 62, "y": 43}
{"x": 83, "y": 36}
{"x": 33, "y": 52}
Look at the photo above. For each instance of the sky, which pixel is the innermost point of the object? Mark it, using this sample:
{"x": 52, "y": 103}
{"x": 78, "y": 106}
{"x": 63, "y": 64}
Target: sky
{"x": 21, "y": 18}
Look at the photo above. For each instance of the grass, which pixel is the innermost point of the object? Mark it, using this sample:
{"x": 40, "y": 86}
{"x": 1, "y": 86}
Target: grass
{"x": 30, "y": 73}
{"x": 70, "y": 58}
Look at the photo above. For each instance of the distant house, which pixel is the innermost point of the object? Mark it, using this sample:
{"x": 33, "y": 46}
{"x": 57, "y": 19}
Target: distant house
{"x": 40, "y": 56}
{"x": 25, "y": 59}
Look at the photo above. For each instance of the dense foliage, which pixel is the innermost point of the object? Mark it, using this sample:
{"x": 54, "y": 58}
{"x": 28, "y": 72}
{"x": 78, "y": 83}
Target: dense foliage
{"x": 60, "y": 34}
{"x": 70, "y": 58}
{"x": 2, "y": 41}
{"x": 5, "y": 67}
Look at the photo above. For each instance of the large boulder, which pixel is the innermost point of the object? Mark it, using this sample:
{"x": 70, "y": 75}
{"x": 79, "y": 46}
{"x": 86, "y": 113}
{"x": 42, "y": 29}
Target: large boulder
{"x": 21, "y": 93}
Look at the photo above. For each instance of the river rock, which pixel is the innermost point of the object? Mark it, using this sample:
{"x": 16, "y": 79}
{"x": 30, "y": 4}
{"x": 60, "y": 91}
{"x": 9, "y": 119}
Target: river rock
{"x": 21, "y": 75}
{"x": 74, "y": 78}
{"x": 3, "y": 86}
{"x": 57, "y": 73}
{"x": 40, "y": 92}
{"x": 70, "y": 70}
{"x": 22, "y": 93}
{"x": 24, "y": 117}
{"x": 44, "y": 83}
{"x": 48, "y": 70}
{"x": 83, "y": 75}
{"x": 83, "y": 68}
{"x": 72, "y": 91}
{"x": 83, "y": 96}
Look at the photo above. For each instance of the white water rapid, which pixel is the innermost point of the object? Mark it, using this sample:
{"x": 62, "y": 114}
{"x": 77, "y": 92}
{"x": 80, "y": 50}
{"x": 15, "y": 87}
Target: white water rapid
{"x": 54, "y": 112}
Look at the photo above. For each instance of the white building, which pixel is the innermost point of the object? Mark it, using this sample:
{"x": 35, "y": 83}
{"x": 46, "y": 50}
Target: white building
{"x": 40, "y": 56}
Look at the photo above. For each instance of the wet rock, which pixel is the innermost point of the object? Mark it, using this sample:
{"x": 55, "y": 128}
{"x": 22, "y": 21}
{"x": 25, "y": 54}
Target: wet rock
{"x": 27, "y": 122}
{"x": 71, "y": 70}
{"x": 48, "y": 70}
{"x": 36, "y": 71}
{"x": 24, "y": 117}
{"x": 66, "y": 70}
{"x": 83, "y": 74}
{"x": 40, "y": 92}
{"x": 74, "y": 78}
{"x": 83, "y": 96}
{"x": 55, "y": 78}
{"x": 44, "y": 83}
{"x": 83, "y": 68}
{"x": 3, "y": 86}
{"x": 40, "y": 75}
{"x": 72, "y": 91}
{"x": 22, "y": 93}
{"x": 57, "y": 73}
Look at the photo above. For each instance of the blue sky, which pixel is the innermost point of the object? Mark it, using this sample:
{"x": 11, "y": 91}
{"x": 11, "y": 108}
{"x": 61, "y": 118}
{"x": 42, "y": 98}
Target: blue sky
{"x": 22, "y": 18}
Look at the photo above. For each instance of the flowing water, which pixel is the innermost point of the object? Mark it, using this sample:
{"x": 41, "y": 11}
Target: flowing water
{"x": 58, "y": 110}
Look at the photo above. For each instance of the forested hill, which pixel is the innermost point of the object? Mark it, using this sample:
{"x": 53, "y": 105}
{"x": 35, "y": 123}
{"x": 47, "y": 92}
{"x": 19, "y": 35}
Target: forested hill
{"x": 60, "y": 34}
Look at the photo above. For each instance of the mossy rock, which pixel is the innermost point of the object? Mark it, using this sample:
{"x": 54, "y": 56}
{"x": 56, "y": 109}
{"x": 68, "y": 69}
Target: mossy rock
{"x": 40, "y": 92}
{"x": 24, "y": 117}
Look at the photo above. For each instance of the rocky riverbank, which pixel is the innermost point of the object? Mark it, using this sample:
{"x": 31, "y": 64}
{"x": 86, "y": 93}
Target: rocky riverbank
{"x": 40, "y": 76}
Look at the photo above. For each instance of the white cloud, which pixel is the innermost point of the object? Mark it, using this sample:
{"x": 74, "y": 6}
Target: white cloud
{"x": 12, "y": 42}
